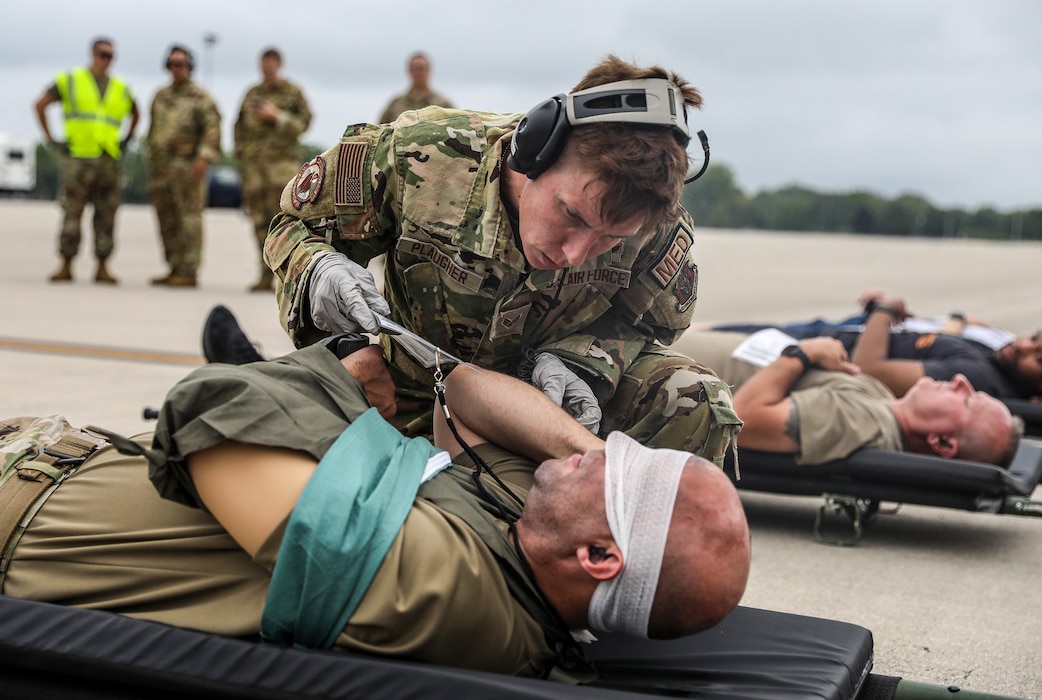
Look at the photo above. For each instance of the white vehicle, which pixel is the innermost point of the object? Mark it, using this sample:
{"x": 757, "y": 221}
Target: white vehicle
{"x": 17, "y": 164}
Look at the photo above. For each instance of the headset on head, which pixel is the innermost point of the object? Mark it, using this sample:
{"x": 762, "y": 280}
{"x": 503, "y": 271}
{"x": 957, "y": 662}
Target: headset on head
{"x": 540, "y": 136}
{"x": 188, "y": 57}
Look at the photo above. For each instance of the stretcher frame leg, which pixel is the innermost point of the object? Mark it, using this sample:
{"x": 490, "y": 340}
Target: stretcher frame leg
{"x": 1021, "y": 505}
{"x": 860, "y": 512}
{"x": 916, "y": 690}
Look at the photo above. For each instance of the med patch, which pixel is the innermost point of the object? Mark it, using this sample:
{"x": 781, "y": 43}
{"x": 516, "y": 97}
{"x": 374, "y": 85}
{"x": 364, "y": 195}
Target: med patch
{"x": 676, "y": 268}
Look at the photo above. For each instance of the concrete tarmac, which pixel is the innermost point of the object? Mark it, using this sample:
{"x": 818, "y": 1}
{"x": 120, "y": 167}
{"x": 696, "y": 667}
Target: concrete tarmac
{"x": 950, "y": 596}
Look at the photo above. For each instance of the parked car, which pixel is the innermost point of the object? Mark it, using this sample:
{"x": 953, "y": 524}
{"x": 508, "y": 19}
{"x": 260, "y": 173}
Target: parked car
{"x": 223, "y": 187}
{"x": 17, "y": 164}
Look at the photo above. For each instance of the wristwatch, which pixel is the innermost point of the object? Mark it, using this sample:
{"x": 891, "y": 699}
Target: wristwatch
{"x": 874, "y": 305}
{"x": 797, "y": 352}
{"x": 343, "y": 344}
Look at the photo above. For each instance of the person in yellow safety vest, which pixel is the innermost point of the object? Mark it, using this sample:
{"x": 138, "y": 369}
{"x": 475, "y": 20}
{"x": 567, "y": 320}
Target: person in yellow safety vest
{"x": 95, "y": 106}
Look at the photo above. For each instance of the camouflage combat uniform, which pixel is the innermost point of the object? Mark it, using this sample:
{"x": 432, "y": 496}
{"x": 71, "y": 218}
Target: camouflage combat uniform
{"x": 269, "y": 152}
{"x": 405, "y": 102}
{"x": 425, "y": 191}
{"x": 94, "y": 181}
{"x": 185, "y": 126}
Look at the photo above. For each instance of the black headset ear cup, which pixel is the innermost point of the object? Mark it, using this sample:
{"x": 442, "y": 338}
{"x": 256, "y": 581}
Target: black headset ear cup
{"x": 539, "y": 137}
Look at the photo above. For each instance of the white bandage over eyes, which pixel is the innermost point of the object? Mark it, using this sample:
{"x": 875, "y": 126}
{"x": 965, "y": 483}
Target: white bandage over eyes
{"x": 640, "y": 489}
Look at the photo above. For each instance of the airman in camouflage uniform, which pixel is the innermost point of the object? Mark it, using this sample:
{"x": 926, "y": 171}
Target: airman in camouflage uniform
{"x": 419, "y": 94}
{"x": 95, "y": 105}
{"x": 426, "y": 190}
{"x": 183, "y": 139}
{"x": 273, "y": 115}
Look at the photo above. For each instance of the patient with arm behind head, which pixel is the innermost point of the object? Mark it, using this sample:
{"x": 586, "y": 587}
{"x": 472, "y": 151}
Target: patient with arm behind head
{"x": 891, "y": 344}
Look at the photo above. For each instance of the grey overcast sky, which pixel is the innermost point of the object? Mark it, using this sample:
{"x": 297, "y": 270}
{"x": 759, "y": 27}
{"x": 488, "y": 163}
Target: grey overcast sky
{"x": 941, "y": 98}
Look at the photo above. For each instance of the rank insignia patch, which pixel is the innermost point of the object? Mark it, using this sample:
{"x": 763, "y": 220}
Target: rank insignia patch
{"x": 308, "y": 182}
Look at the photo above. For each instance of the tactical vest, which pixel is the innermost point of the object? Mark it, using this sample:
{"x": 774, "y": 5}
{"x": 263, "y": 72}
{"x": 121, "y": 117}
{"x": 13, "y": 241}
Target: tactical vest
{"x": 454, "y": 490}
{"x": 92, "y": 122}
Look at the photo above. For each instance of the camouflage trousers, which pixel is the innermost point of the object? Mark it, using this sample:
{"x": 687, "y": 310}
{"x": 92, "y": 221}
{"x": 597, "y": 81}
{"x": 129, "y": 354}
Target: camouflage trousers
{"x": 262, "y": 185}
{"x": 668, "y": 400}
{"x": 179, "y": 199}
{"x": 665, "y": 400}
{"x": 84, "y": 181}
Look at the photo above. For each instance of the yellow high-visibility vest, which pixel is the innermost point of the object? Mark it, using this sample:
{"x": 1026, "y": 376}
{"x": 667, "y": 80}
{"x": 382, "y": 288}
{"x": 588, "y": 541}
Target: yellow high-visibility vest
{"x": 92, "y": 124}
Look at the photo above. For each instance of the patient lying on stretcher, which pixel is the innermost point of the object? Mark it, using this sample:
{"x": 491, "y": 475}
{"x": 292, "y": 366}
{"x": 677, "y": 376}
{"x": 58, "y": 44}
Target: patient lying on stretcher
{"x": 274, "y": 499}
{"x": 813, "y": 403}
{"x": 888, "y": 342}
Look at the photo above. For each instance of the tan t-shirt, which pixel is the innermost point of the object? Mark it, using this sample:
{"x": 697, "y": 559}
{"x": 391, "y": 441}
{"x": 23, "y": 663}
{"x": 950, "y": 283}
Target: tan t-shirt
{"x": 840, "y": 413}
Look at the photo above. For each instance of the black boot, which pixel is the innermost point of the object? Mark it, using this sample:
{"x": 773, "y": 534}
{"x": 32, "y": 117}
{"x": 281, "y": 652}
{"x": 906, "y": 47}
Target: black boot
{"x": 224, "y": 341}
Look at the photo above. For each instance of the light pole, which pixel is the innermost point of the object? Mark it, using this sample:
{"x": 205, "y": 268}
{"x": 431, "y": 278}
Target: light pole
{"x": 209, "y": 41}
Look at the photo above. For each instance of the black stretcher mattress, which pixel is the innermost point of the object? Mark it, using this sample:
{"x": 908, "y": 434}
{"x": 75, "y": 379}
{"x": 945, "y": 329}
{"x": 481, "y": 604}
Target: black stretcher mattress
{"x": 49, "y": 651}
{"x": 904, "y": 477}
{"x": 1030, "y": 411}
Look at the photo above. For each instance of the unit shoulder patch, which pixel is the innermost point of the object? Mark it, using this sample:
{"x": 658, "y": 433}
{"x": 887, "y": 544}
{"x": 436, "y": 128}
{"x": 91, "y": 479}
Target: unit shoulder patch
{"x": 685, "y": 289}
{"x": 308, "y": 183}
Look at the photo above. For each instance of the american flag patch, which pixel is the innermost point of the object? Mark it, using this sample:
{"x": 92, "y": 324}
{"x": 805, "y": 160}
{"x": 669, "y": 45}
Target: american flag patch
{"x": 348, "y": 190}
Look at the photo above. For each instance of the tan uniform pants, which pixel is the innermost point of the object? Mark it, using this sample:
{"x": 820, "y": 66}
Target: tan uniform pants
{"x": 104, "y": 539}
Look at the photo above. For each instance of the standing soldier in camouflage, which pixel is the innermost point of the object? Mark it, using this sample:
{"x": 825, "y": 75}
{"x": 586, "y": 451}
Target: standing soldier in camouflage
{"x": 95, "y": 105}
{"x": 183, "y": 139}
{"x": 419, "y": 94}
{"x": 273, "y": 115}
{"x": 553, "y": 247}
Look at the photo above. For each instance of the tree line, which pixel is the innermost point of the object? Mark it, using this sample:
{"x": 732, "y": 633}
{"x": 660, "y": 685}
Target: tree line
{"x": 715, "y": 200}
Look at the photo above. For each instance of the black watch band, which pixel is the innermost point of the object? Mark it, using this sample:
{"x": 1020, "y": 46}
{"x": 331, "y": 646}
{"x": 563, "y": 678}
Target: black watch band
{"x": 797, "y": 352}
{"x": 343, "y": 344}
{"x": 874, "y": 306}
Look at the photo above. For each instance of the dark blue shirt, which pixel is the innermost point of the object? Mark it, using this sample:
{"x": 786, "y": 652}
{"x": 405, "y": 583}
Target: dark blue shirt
{"x": 944, "y": 356}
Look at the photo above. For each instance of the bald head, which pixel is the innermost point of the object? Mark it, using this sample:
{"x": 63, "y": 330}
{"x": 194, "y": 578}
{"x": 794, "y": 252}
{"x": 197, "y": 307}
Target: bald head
{"x": 702, "y": 559}
{"x": 707, "y": 556}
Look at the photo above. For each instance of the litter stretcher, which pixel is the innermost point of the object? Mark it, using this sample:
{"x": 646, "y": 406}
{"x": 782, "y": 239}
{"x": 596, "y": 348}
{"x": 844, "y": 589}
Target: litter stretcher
{"x": 61, "y": 653}
{"x": 1030, "y": 412}
{"x": 853, "y": 488}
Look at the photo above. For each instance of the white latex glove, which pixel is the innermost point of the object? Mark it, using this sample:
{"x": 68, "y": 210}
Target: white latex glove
{"x": 552, "y": 377}
{"x": 343, "y": 296}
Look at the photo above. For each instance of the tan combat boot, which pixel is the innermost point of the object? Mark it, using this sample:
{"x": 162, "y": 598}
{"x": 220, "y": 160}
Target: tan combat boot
{"x": 103, "y": 276}
{"x": 64, "y": 274}
{"x": 179, "y": 280}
